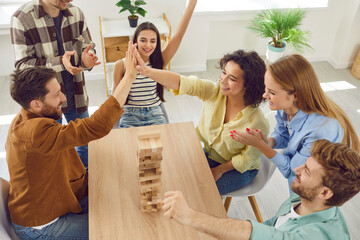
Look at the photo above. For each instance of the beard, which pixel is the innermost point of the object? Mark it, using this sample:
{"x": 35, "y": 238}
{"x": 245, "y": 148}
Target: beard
{"x": 51, "y": 112}
{"x": 58, "y": 6}
{"x": 304, "y": 192}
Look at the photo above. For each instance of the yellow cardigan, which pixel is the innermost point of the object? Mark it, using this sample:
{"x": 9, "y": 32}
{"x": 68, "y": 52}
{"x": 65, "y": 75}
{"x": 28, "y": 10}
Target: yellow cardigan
{"x": 47, "y": 177}
{"x": 214, "y": 133}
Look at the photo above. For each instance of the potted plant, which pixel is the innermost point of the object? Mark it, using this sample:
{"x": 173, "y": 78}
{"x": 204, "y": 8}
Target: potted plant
{"x": 126, "y": 5}
{"x": 282, "y": 26}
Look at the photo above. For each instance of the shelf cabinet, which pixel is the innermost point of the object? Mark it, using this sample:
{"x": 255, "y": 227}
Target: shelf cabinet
{"x": 115, "y": 35}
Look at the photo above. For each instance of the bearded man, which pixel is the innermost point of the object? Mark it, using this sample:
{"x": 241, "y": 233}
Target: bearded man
{"x": 48, "y": 182}
{"x": 329, "y": 178}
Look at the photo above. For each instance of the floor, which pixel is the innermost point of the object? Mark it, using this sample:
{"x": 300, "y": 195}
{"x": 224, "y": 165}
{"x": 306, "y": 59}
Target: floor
{"x": 340, "y": 86}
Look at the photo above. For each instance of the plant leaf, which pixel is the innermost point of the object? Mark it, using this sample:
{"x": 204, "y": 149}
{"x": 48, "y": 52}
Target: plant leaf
{"x": 139, "y": 2}
{"x": 141, "y": 11}
{"x": 123, "y": 3}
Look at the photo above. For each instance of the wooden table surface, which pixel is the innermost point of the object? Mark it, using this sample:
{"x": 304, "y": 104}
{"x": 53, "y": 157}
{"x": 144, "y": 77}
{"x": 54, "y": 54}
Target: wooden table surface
{"x": 114, "y": 195}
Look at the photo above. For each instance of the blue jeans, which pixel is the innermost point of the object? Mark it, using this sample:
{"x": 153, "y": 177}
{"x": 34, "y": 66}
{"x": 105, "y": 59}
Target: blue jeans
{"x": 71, "y": 115}
{"x": 232, "y": 180}
{"x": 141, "y": 116}
{"x": 71, "y": 226}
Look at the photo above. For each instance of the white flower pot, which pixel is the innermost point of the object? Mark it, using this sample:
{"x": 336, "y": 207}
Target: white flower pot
{"x": 273, "y": 53}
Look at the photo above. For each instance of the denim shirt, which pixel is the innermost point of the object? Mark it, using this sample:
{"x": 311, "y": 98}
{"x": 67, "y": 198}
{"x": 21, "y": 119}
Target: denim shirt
{"x": 326, "y": 224}
{"x": 297, "y": 136}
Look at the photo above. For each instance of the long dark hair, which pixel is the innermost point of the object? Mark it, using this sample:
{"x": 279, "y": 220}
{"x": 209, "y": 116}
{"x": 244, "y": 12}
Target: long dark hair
{"x": 156, "y": 59}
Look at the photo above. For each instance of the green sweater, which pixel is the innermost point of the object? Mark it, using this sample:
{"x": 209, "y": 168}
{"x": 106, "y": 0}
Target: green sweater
{"x": 326, "y": 224}
{"x": 47, "y": 177}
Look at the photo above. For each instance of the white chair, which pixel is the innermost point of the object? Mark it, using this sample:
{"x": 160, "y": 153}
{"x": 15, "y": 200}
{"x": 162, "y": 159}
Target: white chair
{"x": 262, "y": 178}
{"x": 267, "y": 169}
{"x": 6, "y": 229}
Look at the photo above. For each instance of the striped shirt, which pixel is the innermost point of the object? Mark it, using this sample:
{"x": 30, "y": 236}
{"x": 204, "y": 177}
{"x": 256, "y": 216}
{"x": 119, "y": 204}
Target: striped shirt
{"x": 143, "y": 92}
{"x": 33, "y": 36}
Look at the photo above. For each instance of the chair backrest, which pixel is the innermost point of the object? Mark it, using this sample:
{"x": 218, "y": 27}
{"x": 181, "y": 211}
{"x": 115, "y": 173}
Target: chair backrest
{"x": 267, "y": 169}
{"x": 270, "y": 116}
{"x": 6, "y": 229}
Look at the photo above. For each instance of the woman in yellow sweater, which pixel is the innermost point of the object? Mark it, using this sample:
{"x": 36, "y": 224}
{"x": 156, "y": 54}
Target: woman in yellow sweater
{"x": 232, "y": 103}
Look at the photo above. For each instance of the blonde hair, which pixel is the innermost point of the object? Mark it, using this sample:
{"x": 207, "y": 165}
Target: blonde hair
{"x": 296, "y": 75}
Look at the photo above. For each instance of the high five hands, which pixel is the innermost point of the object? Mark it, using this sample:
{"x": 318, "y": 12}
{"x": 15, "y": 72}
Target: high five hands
{"x": 131, "y": 60}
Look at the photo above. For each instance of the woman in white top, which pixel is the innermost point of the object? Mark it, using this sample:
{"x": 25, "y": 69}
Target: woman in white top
{"x": 145, "y": 97}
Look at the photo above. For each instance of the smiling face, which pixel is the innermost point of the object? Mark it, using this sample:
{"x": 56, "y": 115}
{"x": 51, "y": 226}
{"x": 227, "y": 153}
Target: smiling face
{"x": 278, "y": 98}
{"x": 146, "y": 43}
{"x": 51, "y": 105}
{"x": 232, "y": 81}
{"x": 308, "y": 182}
{"x": 59, "y": 4}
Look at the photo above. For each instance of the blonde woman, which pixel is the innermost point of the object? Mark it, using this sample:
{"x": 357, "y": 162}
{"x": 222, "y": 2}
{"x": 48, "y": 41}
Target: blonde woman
{"x": 304, "y": 114}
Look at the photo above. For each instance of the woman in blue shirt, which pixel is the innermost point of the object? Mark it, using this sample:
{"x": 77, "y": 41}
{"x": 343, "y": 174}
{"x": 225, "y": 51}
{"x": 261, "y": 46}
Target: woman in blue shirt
{"x": 304, "y": 114}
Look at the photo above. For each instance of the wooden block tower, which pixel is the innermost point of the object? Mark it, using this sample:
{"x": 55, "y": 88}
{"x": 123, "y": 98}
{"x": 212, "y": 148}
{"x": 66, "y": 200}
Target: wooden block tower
{"x": 150, "y": 156}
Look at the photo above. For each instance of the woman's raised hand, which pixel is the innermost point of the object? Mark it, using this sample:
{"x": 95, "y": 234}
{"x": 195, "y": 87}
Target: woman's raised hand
{"x": 131, "y": 61}
{"x": 141, "y": 66}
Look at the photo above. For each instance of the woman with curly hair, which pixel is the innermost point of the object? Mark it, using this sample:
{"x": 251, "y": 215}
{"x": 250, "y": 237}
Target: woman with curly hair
{"x": 232, "y": 103}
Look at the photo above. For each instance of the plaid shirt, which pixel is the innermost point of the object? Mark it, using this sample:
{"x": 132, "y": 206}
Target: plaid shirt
{"x": 33, "y": 37}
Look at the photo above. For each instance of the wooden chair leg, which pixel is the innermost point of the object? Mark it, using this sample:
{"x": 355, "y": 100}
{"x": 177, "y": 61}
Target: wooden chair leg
{"x": 227, "y": 203}
{"x": 255, "y": 208}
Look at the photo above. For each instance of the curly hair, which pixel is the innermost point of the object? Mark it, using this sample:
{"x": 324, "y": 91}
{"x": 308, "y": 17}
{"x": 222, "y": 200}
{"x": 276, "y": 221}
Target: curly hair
{"x": 342, "y": 170}
{"x": 254, "y": 70}
{"x": 30, "y": 84}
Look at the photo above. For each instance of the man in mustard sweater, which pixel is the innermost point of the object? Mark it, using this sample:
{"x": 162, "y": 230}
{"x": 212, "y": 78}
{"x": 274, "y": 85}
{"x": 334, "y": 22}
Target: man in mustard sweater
{"x": 48, "y": 182}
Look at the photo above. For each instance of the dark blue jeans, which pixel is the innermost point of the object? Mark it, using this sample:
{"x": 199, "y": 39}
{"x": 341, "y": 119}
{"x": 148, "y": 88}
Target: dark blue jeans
{"x": 232, "y": 180}
{"x": 71, "y": 226}
{"x": 71, "y": 115}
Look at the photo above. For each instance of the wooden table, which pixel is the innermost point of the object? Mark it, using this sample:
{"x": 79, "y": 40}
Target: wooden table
{"x": 114, "y": 195}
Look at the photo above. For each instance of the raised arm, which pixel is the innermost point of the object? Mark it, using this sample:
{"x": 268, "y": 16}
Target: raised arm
{"x": 175, "y": 41}
{"x": 122, "y": 90}
{"x": 119, "y": 69}
{"x": 165, "y": 78}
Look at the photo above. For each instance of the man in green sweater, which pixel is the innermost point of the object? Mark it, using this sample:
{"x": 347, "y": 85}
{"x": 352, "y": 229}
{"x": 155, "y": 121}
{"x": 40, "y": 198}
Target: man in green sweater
{"x": 48, "y": 182}
{"x": 329, "y": 178}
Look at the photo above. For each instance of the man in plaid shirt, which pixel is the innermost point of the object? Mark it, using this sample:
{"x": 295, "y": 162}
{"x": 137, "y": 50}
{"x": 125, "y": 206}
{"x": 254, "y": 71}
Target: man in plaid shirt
{"x": 53, "y": 33}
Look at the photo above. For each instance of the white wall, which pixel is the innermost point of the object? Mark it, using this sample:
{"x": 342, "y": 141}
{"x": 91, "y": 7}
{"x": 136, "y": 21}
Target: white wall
{"x": 335, "y": 34}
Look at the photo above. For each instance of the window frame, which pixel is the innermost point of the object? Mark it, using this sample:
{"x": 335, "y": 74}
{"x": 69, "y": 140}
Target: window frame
{"x": 211, "y": 7}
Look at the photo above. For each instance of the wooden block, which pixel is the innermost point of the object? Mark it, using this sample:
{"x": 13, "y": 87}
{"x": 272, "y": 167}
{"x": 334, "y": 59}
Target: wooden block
{"x": 148, "y": 134}
{"x": 146, "y": 188}
{"x": 147, "y": 178}
{"x": 156, "y": 145}
{"x": 149, "y": 166}
{"x": 159, "y": 144}
{"x": 149, "y": 154}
